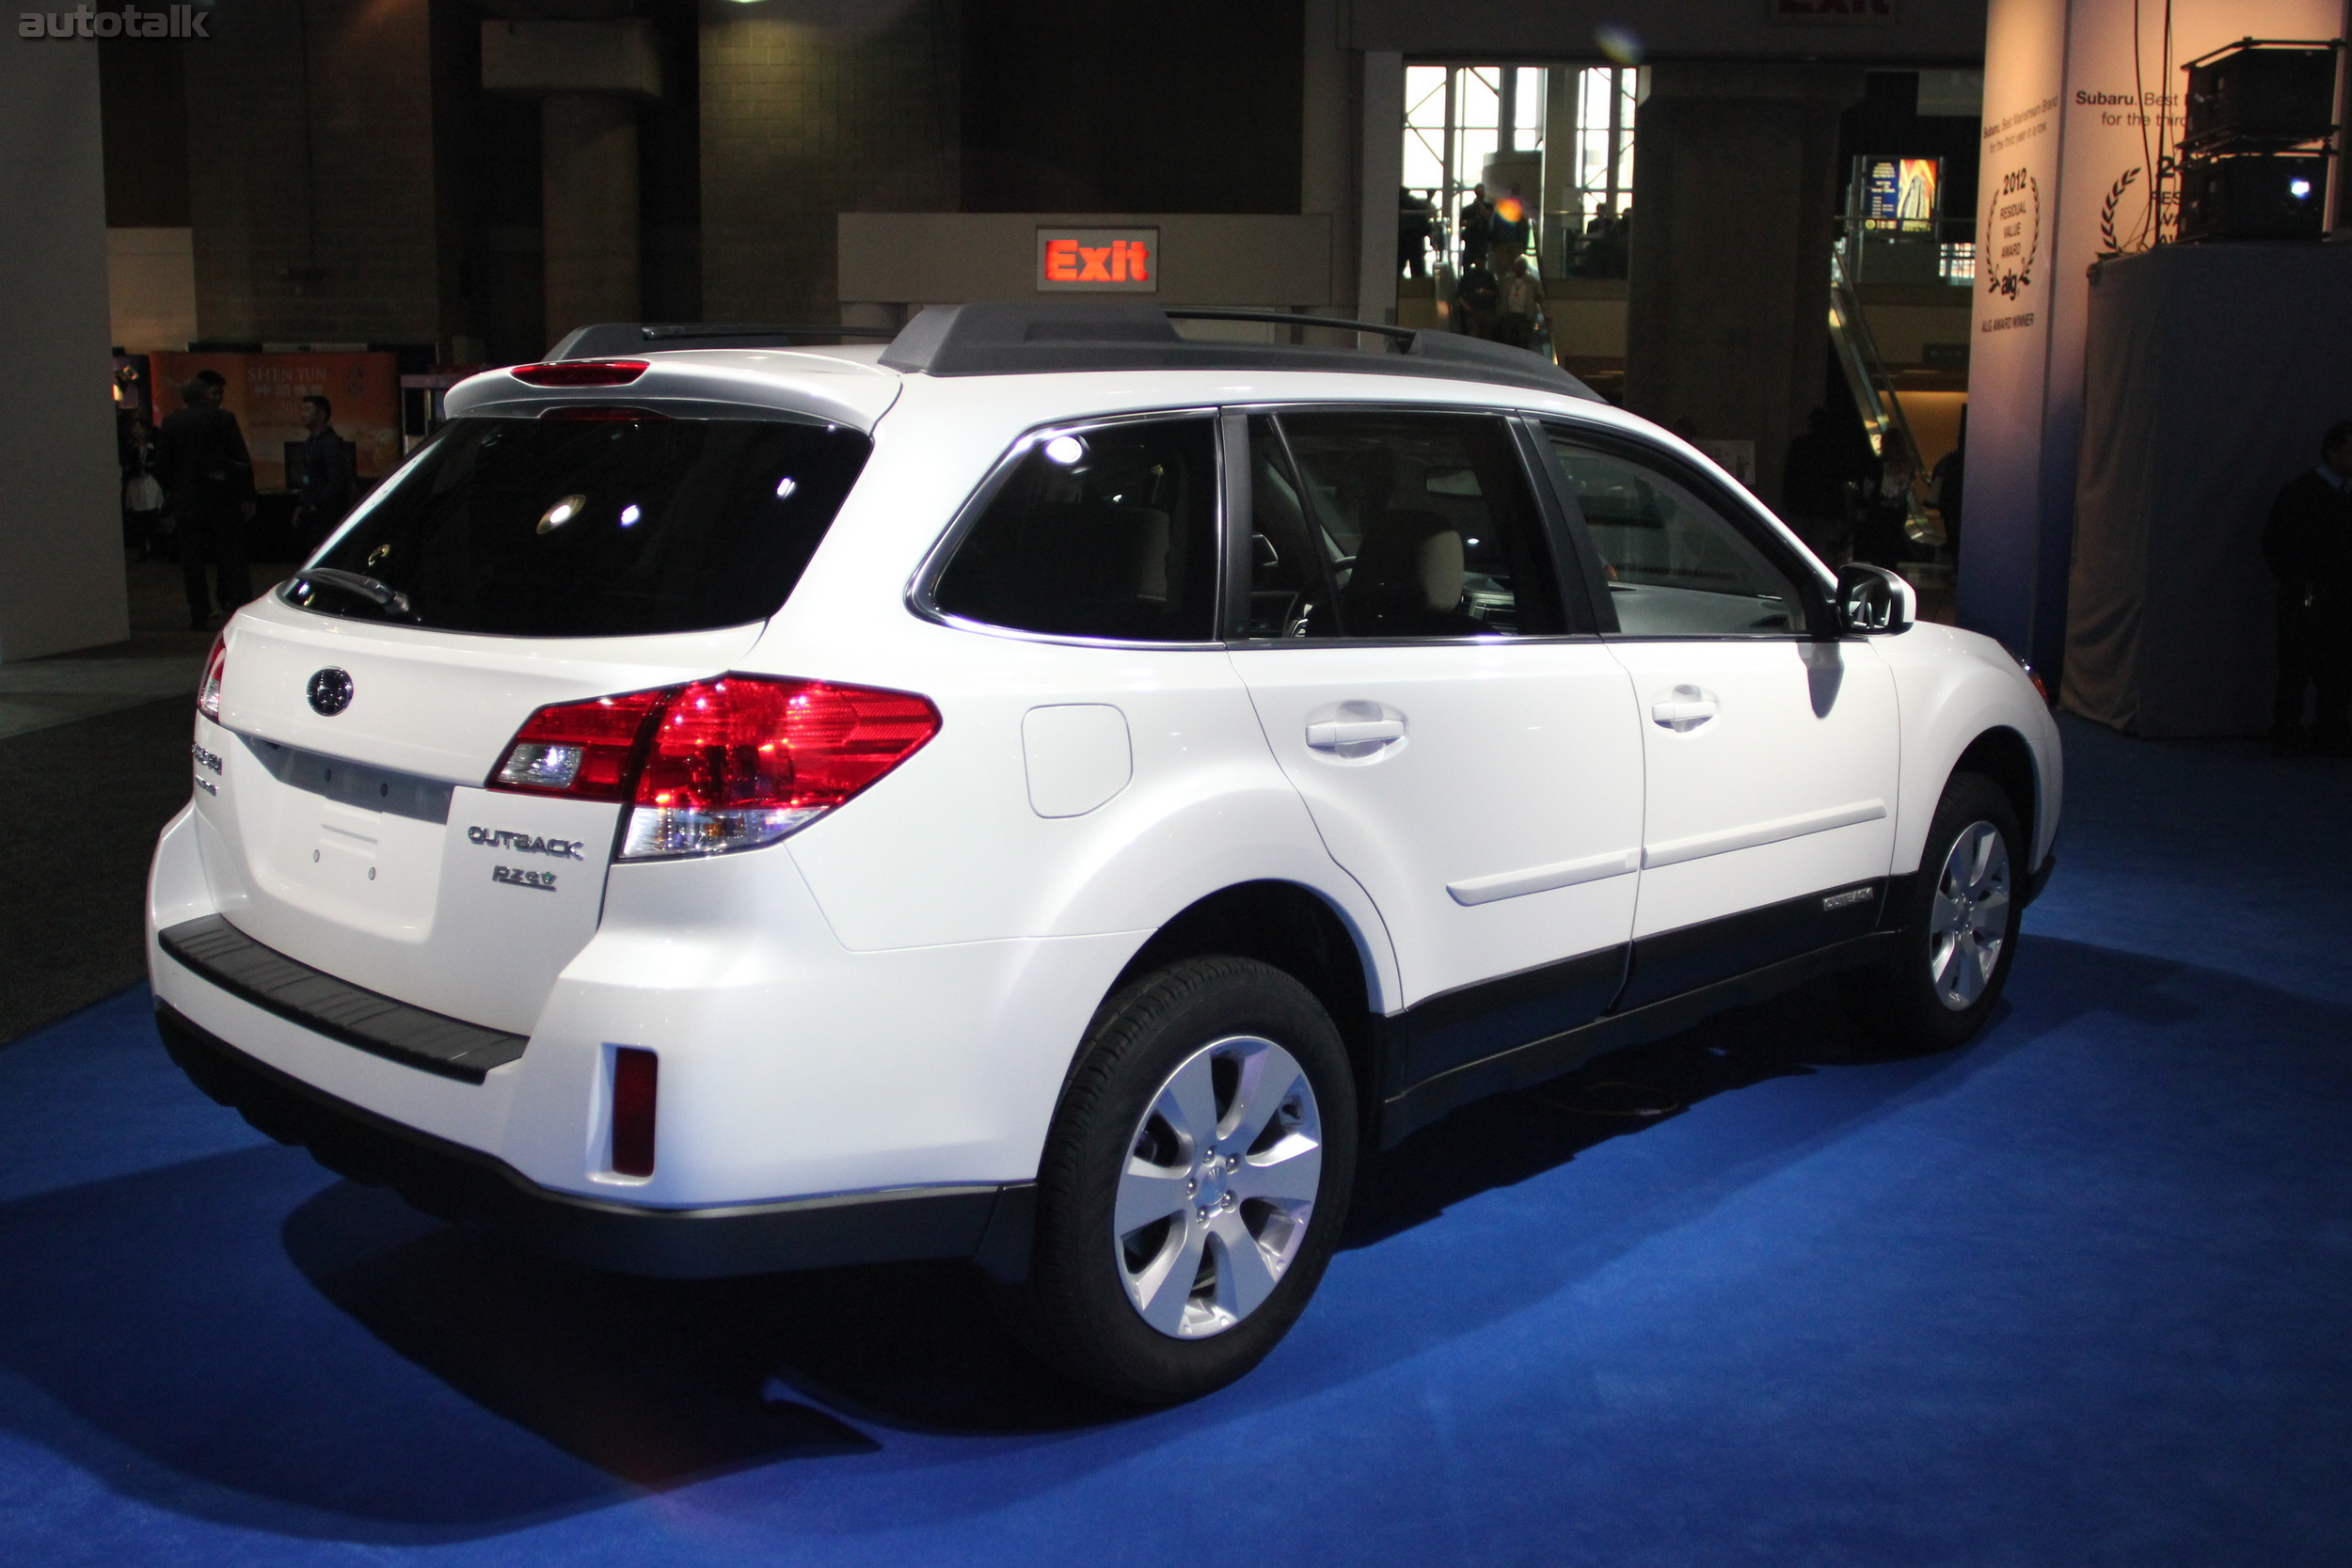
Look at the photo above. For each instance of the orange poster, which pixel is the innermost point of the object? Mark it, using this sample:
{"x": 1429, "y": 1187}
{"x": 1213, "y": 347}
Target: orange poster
{"x": 265, "y": 392}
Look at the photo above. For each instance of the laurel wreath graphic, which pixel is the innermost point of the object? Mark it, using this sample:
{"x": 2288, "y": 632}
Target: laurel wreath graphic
{"x": 2007, "y": 283}
{"x": 2106, "y": 210}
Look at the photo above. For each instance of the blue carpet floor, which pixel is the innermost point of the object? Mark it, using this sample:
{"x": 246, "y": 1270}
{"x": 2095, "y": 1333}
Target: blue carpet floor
{"x": 2076, "y": 1295}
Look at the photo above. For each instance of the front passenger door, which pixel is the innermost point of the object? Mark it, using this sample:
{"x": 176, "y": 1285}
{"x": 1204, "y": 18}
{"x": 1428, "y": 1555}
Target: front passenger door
{"x": 1771, "y": 744}
{"x": 1466, "y": 746}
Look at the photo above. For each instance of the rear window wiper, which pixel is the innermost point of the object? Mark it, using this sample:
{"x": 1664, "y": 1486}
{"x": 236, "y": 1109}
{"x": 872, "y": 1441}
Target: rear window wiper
{"x": 382, "y": 594}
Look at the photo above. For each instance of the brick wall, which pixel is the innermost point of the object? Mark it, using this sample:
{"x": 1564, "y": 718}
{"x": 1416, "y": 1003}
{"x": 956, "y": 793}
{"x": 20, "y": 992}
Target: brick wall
{"x": 371, "y": 93}
{"x": 801, "y": 122}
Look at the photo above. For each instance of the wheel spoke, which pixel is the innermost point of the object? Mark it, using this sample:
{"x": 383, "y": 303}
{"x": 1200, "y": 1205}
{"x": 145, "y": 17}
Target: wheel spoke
{"x": 1267, "y": 1076}
{"x": 1243, "y": 1277}
{"x": 1981, "y": 841}
{"x": 1942, "y": 956}
{"x": 1188, "y": 1103}
{"x": 1289, "y": 1173}
{"x": 1146, "y": 1193}
{"x": 1161, "y": 1291}
{"x": 1944, "y": 916}
{"x": 1992, "y": 916}
{"x": 1967, "y": 972}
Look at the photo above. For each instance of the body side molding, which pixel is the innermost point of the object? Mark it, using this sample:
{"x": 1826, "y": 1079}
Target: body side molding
{"x": 1543, "y": 878}
{"x": 1676, "y": 850}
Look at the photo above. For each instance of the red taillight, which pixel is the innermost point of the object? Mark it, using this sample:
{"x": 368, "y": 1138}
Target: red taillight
{"x": 741, "y": 761}
{"x": 636, "y": 1080}
{"x": 582, "y": 749}
{"x": 718, "y": 764}
{"x": 215, "y": 668}
{"x": 580, "y": 372}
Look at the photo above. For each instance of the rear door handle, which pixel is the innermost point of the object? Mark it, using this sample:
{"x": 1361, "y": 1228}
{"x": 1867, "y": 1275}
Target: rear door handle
{"x": 1683, "y": 709}
{"x": 1333, "y": 734}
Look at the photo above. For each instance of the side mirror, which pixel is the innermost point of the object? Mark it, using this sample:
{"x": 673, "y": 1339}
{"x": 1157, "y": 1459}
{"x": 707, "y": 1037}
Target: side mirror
{"x": 1873, "y": 601}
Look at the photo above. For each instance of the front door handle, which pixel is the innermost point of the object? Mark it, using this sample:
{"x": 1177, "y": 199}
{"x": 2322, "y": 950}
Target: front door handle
{"x": 1683, "y": 709}
{"x": 1331, "y": 735}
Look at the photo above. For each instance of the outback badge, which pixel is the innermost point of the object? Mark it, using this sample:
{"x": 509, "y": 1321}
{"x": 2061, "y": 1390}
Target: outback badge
{"x": 330, "y": 691}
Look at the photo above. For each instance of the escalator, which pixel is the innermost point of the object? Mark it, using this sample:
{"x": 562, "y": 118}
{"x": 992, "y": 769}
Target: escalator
{"x": 1873, "y": 391}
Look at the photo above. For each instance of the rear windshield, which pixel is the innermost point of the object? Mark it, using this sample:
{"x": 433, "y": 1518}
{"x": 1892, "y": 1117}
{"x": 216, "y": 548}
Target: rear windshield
{"x": 593, "y": 526}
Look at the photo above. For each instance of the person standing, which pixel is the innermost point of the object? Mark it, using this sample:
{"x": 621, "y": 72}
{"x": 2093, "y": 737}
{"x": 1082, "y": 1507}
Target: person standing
{"x": 1416, "y": 227}
{"x": 1520, "y": 299}
{"x": 1476, "y": 294}
{"x": 207, "y": 477}
{"x": 1473, "y": 231}
{"x": 2307, "y": 546}
{"x": 1879, "y": 536}
{"x": 1950, "y": 479}
{"x": 1813, "y": 488}
{"x": 323, "y": 489}
{"x": 142, "y": 496}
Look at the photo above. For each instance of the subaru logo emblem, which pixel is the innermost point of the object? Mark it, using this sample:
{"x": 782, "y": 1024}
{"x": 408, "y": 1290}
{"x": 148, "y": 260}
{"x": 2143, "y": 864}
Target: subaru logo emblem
{"x": 330, "y": 691}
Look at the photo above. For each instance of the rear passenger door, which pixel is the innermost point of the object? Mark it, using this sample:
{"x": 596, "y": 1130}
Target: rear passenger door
{"x": 1465, "y": 744}
{"x": 1770, "y": 749}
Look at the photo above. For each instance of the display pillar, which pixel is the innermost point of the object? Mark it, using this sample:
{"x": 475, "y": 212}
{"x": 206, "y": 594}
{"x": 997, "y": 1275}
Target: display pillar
{"x": 589, "y": 76}
{"x": 1382, "y": 152}
{"x": 2080, "y": 103}
{"x": 61, "y": 578}
{"x": 1727, "y": 294}
{"x": 588, "y": 195}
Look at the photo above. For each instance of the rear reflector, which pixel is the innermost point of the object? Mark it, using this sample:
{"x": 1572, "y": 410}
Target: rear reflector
{"x": 215, "y": 668}
{"x": 636, "y": 1080}
{"x": 580, "y": 372}
{"x": 717, "y": 765}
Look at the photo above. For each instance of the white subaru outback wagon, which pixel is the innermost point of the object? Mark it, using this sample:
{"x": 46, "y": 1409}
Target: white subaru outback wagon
{"x": 1050, "y": 792}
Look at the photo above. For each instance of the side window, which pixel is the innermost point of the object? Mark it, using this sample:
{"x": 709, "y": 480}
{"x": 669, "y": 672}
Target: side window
{"x": 1290, "y": 587}
{"x": 1409, "y": 526}
{"x": 1675, "y": 566}
{"x": 1106, "y": 532}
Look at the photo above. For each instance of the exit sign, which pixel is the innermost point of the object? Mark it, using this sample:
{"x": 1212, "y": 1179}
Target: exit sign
{"x": 1098, "y": 261}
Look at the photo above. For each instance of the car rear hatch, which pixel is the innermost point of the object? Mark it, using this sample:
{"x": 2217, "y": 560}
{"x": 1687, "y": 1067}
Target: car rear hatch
{"x": 553, "y": 545}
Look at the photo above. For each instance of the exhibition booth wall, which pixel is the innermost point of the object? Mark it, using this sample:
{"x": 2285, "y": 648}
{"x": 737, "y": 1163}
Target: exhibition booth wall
{"x": 2210, "y": 372}
{"x": 2081, "y": 109}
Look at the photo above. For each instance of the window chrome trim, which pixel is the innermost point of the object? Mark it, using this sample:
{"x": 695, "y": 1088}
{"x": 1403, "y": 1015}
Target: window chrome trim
{"x": 921, "y": 586}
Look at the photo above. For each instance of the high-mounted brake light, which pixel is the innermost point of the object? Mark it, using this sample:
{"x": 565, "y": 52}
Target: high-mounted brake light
{"x": 580, "y": 372}
{"x": 215, "y": 669}
{"x": 718, "y": 764}
{"x": 604, "y": 411}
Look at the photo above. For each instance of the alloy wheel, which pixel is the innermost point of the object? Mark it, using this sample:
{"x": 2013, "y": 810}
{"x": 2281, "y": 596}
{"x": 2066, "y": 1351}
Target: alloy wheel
{"x": 1219, "y": 1187}
{"x": 1969, "y": 922}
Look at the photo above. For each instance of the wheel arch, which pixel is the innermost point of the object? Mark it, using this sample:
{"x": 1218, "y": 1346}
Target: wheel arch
{"x": 2005, "y": 756}
{"x": 1292, "y": 926}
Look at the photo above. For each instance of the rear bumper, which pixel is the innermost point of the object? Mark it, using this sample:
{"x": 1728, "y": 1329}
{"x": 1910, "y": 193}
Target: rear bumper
{"x": 987, "y": 1223}
{"x": 791, "y": 1069}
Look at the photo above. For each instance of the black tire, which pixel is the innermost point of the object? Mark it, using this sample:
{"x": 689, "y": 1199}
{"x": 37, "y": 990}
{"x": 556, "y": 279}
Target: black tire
{"x": 1075, "y": 1310}
{"x": 1899, "y": 1005}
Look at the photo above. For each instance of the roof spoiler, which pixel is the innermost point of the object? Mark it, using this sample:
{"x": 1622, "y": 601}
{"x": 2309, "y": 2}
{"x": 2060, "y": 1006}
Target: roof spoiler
{"x": 618, "y": 339}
